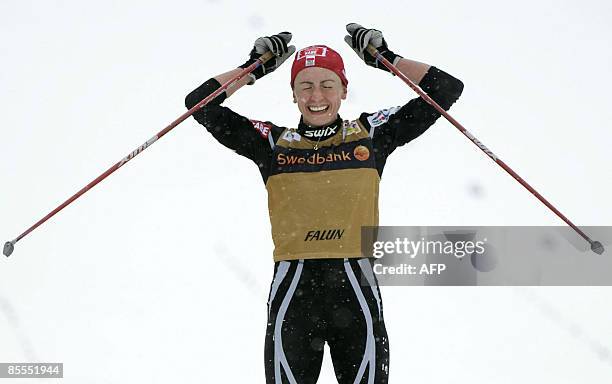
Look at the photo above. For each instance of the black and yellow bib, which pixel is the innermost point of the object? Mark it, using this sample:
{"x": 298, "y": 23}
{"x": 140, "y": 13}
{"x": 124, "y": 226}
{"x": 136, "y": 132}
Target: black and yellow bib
{"x": 321, "y": 194}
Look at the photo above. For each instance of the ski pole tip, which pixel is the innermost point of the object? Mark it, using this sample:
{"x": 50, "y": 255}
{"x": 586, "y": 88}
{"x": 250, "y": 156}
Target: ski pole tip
{"x": 597, "y": 247}
{"x": 9, "y": 247}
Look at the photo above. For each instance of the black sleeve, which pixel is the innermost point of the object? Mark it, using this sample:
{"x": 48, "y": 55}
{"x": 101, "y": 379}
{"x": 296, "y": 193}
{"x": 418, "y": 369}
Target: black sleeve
{"x": 397, "y": 126}
{"x": 246, "y": 137}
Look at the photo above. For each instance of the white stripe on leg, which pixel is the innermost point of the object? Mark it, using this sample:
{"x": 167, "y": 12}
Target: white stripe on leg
{"x": 279, "y": 354}
{"x": 369, "y": 355}
{"x": 281, "y": 272}
{"x": 366, "y": 267}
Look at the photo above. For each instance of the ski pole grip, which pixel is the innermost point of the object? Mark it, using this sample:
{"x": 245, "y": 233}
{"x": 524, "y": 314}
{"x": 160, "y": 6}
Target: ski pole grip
{"x": 372, "y": 50}
{"x": 265, "y": 57}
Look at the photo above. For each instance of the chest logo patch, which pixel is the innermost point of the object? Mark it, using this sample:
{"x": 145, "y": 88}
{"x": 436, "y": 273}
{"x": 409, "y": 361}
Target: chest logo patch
{"x": 361, "y": 153}
{"x": 352, "y": 128}
{"x": 291, "y": 136}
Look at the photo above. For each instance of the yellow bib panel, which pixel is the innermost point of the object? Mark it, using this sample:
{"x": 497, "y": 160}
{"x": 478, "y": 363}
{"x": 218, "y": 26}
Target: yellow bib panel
{"x": 320, "y": 198}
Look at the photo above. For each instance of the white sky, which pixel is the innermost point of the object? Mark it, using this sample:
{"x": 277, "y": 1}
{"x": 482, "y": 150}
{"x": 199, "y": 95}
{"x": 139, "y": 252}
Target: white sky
{"x": 161, "y": 272}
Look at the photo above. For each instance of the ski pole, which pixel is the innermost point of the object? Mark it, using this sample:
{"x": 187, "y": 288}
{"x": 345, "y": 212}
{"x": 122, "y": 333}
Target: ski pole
{"x": 9, "y": 246}
{"x": 596, "y": 246}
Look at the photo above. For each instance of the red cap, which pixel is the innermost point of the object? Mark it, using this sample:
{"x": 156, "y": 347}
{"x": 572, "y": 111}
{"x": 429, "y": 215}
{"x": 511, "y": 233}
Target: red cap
{"x": 318, "y": 56}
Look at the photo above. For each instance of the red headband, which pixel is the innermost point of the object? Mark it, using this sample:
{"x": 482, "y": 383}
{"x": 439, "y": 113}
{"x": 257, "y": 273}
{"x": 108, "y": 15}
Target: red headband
{"x": 318, "y": 56}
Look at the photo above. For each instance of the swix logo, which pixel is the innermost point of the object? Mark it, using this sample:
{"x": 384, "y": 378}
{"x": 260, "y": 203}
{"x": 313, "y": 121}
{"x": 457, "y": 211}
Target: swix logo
{"x": 321, "y": 132}
{"x": 326, "y": 234}
{"x": 481, "y": 145}
{"x": 137, "y": 151}
{"x": 316, "y": 158}
{"x": 261, "y": 127}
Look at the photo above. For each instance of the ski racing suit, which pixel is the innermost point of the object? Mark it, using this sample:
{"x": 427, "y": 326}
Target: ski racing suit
{"x": 322, "y": 188}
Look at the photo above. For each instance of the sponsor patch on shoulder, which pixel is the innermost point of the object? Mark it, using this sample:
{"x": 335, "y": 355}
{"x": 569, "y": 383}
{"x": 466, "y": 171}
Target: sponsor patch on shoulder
{"x": 382, "y": 116}
{"x": 262, "y": 128}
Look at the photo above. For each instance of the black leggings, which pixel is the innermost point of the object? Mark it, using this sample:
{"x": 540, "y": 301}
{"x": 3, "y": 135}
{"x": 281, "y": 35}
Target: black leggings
{"x": 314, "y": 301}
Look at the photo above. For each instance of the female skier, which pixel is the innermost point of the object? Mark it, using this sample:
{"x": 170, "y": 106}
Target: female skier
{"x": 322, "y": 179}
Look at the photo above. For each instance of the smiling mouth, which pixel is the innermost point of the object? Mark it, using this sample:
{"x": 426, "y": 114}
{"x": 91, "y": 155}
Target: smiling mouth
{"x": 319, "y": 109}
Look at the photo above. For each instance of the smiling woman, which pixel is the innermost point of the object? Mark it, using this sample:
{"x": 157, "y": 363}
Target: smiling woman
{"x": 318, "y": 90}
{"x": 318, "y": 93}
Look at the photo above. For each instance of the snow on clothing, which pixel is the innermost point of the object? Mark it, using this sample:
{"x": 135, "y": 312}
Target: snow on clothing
{"x": 333, "y": 187}
{"x": 322, "y": 187}
{"x": 318, "y": 301}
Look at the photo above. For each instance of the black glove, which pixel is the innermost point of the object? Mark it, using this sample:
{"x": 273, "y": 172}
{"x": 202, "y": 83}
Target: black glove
{"x": 275, "y": 43}
{"x": 359, "y": 39}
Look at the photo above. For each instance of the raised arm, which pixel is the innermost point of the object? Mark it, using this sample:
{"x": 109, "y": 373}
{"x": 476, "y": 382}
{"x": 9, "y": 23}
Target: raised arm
{"x": 397, "y": 126}
{"x": 277, "y": 44}
{"x": 359, "y": 37}
{"x": 228, "y": 127}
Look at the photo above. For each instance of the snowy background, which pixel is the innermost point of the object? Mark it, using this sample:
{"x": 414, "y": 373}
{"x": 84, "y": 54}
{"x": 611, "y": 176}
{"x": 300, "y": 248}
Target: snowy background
{"x": 160, "y": 274}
